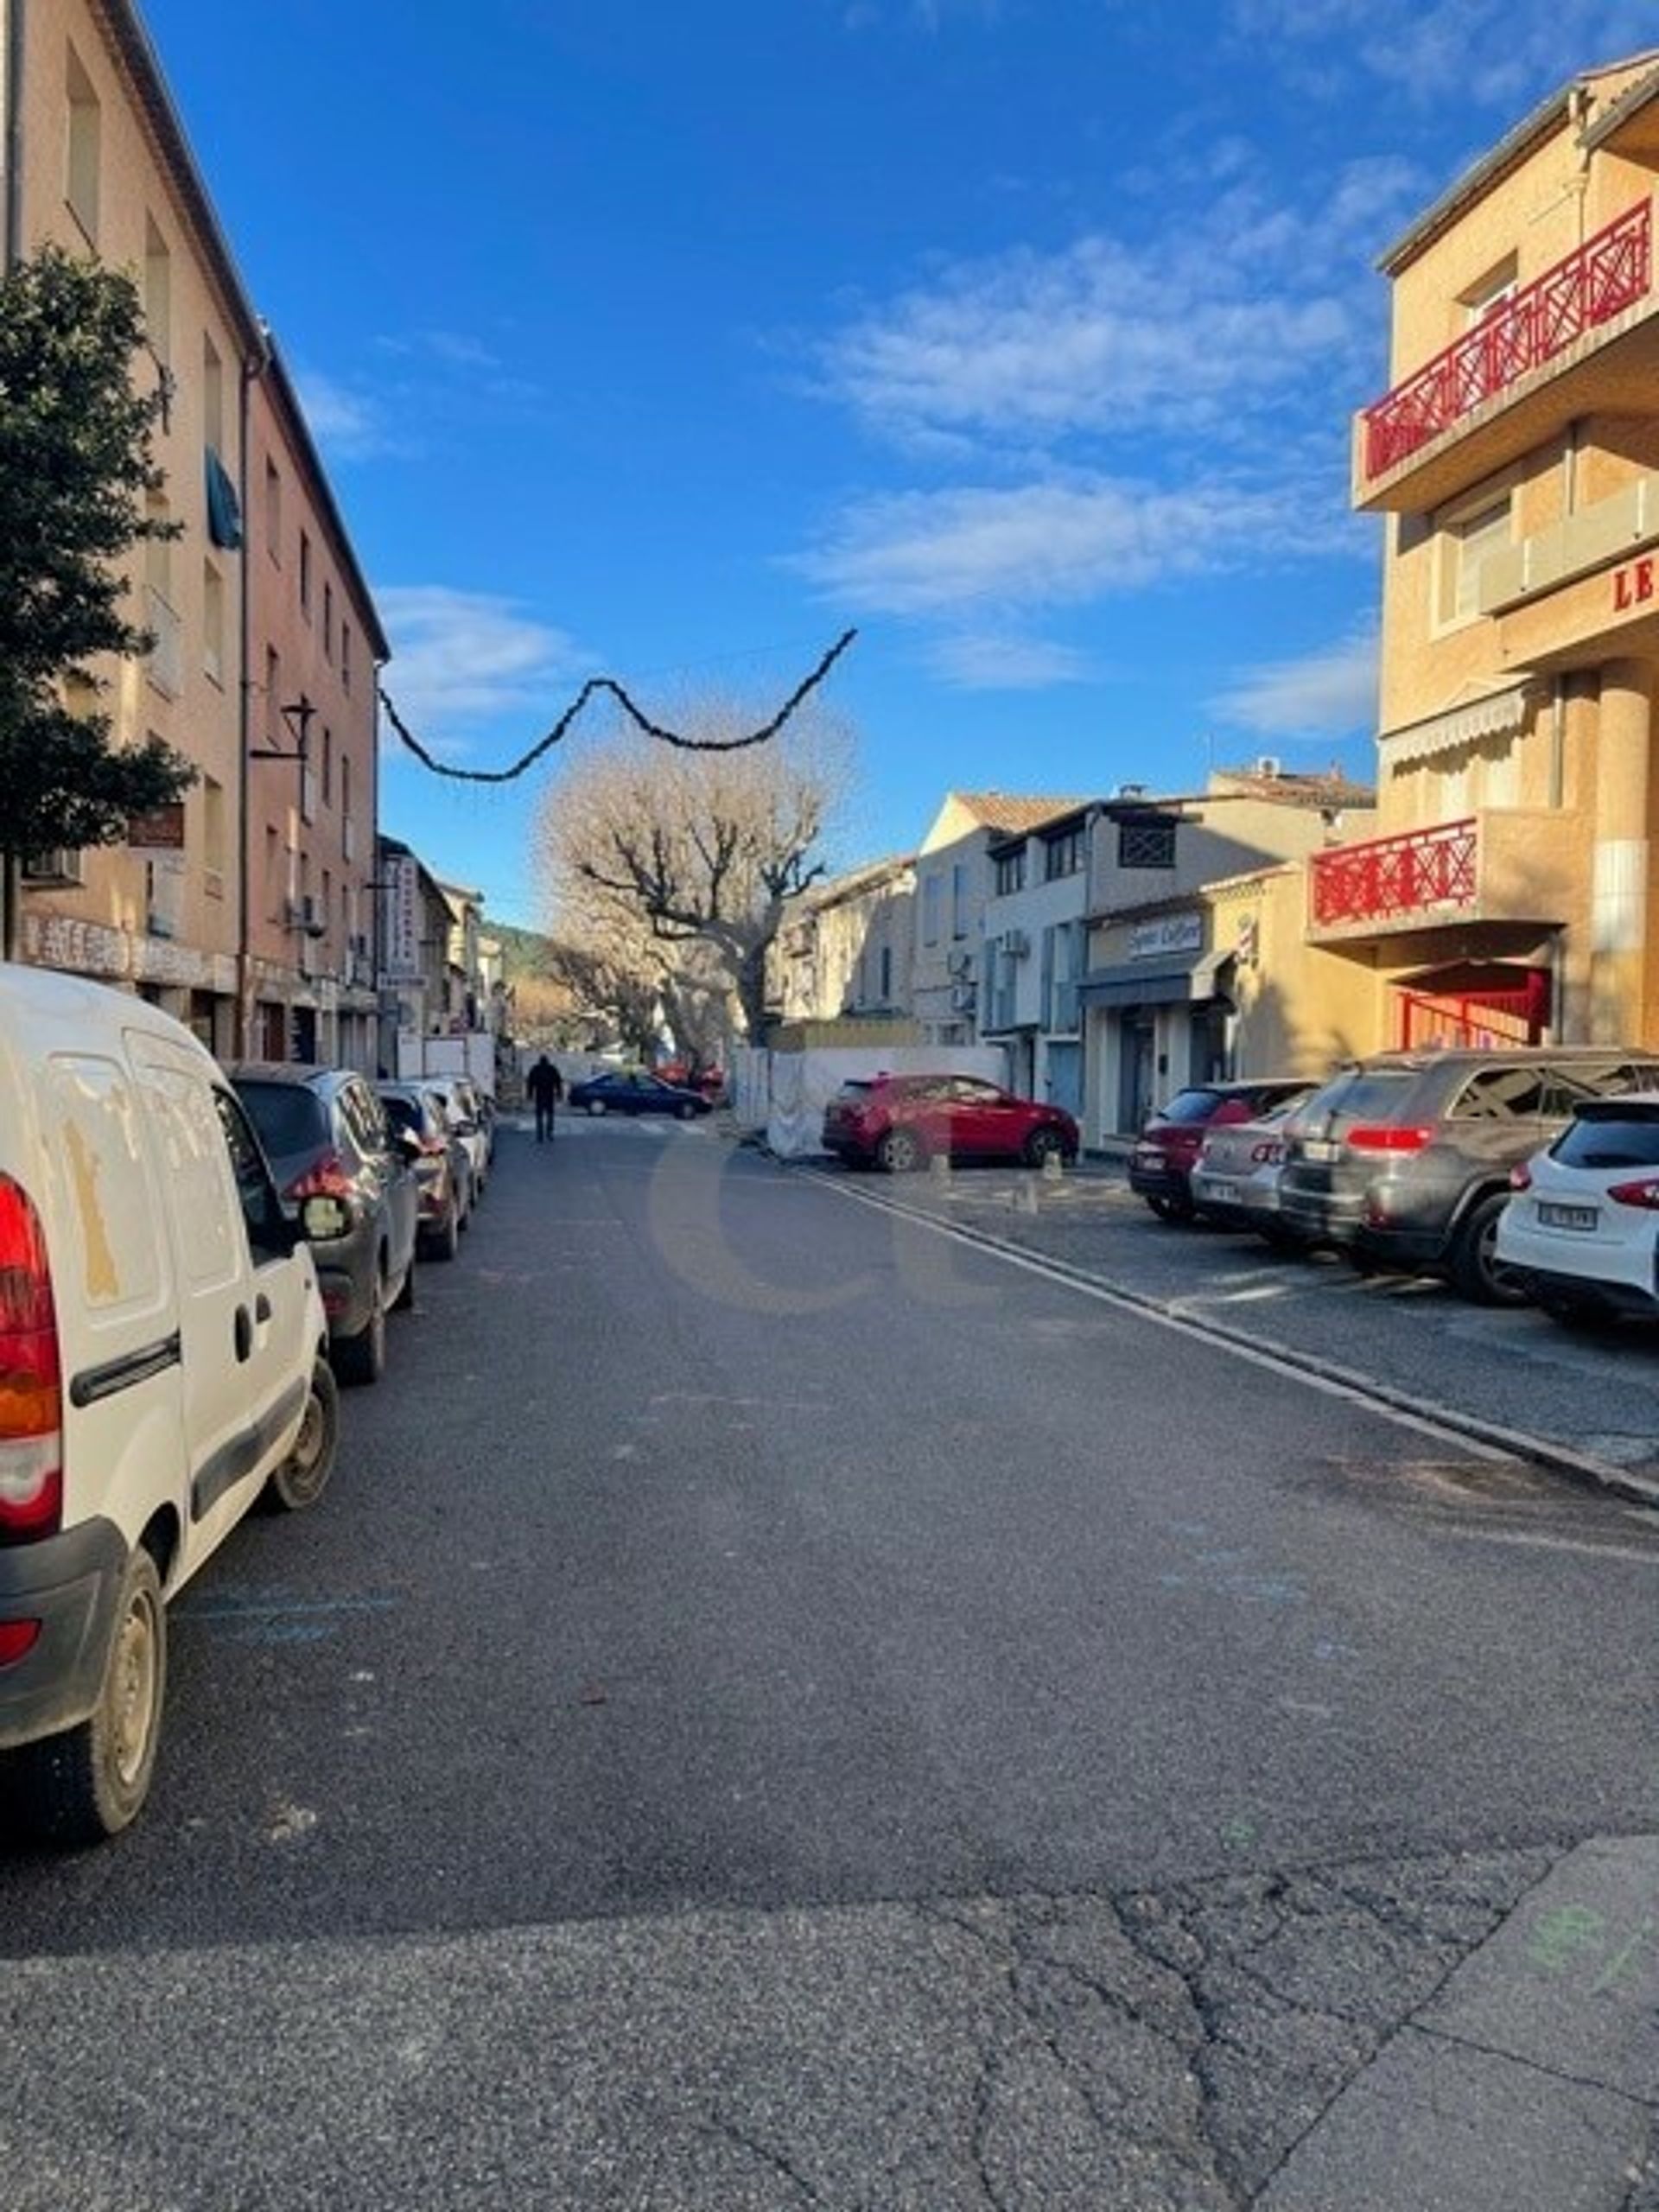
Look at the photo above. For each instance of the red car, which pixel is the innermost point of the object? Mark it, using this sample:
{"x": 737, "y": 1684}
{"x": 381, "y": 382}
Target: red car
{"x": 900, "y": 1122}
{"x": 1167, "y": 1151}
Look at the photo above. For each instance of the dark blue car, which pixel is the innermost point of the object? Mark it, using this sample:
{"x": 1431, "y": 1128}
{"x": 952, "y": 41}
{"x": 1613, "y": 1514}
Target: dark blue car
{"x": 636, "y": 1094}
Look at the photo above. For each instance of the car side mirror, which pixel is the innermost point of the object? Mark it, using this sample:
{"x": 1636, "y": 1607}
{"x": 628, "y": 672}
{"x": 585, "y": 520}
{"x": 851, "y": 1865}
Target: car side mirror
{"x": 407, "y": 1145}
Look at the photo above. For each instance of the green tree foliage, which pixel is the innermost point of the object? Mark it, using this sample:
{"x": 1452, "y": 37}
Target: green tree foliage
{"x": 75, "y": 466}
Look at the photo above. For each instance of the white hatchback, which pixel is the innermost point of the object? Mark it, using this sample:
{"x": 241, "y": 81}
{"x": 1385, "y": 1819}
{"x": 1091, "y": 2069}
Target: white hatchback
{"x": 1581, "y": 1228}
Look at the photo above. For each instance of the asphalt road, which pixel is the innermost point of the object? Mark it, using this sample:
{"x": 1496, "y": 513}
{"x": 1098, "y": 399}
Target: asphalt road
{"x": 777, "y": 1709}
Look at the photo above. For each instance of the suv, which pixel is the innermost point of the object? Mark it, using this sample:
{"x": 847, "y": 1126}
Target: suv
{"x": 900, "y": 1122}
{"x": 1403, "y": 1160}
{"x": 326, "y": 1136}
{"x": 1166, "y": 1150}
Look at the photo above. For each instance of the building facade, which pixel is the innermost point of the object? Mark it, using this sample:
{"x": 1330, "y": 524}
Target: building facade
{"x": 954, "y": 883}
{"x": 1035, "y": 930}
{"x": 315, "y": 649}
{"x": 1515, "y": 461}
{"x": 847, "y": 948}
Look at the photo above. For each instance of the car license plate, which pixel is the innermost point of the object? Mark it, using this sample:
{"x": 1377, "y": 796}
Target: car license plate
{"x": 1222, "y": 1194}
{"x": 1318, "y": 1149}
{"x": 1552, "y": 1217}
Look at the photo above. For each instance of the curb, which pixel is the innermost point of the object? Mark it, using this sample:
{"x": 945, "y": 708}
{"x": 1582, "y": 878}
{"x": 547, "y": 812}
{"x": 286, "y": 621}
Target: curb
{"x": 1581, "y": 1468}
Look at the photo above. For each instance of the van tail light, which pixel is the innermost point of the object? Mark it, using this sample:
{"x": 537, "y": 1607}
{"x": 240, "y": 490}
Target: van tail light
{"x": 326, "y": 1180}
{"x": 1520, "y": 1178}
{"x": 1387, "y": 1136}
{"x": 31, "y": 1376}
{"x": 1643, "y": 1193}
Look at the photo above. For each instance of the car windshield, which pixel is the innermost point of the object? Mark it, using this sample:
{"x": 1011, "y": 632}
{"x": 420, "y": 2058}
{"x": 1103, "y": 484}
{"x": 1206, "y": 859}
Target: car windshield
{"x": 1626, "y": 1137}
{"x": 1365, "y": 1094}
{"x": 289, "y": 1117}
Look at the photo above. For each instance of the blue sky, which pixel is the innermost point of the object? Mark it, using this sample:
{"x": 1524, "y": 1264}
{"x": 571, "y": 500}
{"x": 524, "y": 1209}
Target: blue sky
{"x": 667, "y": 337}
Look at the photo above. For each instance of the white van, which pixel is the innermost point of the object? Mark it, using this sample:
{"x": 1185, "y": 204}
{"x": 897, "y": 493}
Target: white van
{"x": 162, "y": 1364}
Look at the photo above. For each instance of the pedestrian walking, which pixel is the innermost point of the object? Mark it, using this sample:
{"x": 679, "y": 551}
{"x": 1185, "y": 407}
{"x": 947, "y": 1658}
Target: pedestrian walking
{"x": 546, "y": 1087}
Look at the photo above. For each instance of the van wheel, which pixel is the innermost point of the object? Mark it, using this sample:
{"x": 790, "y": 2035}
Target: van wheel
{"x": 362, "y": 1359}
{"x": 1477, "y": 1272}
{"x": 89, "y": 1781}
{"x": 303, "y": 1476}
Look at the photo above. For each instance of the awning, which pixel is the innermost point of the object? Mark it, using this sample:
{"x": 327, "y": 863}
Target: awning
{"x": 1156, "y": 982}
{"x": 1497, "y": 715}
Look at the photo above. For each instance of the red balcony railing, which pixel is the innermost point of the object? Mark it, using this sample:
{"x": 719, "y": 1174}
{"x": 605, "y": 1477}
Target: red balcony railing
{"x": 1390, "y": 877}
{"x": 1609, "y": 273}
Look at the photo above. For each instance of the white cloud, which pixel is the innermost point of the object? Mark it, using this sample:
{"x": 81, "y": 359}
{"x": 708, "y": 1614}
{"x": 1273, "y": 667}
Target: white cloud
{"x": 459, "y": 658}
{"x": 344, "y": 420}
{"x": 998, "y": 661}
{"x": 1495, "y": 53}
{"x": 1057, "y": 542}
{"x": 1326, "y": 694}
{"x": 1195, "y": 331}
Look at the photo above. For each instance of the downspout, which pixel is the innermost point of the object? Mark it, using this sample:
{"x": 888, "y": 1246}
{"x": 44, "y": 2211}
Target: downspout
{"x": 252, "y": 371}
{"x": 11, "y": 253}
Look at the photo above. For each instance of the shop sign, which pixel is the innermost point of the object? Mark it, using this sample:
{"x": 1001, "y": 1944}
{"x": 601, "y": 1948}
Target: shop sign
{"x": 1633, "y": 583}
{"x": 161, "y": 830}
{"x": 402, "y": 893}
{"x": 1170, "y": 933}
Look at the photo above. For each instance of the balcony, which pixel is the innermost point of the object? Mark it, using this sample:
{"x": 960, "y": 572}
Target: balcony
{"x": 1503, "y": 865}
{"x": 1501, "y": 388}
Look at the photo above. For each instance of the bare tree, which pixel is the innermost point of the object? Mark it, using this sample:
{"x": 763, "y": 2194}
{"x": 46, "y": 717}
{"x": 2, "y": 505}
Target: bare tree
{"x": 706, "y": 850}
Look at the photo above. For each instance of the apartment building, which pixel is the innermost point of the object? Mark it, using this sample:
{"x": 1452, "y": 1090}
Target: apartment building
{"x": 954, "y": 881}
{"x": 243, "y": 909}
{"x": 315, "y": 649}
{"x": 1170, "y": 969}
{"x": 1515, "y": 463}
{"x": 847, "y": 948}
{"x": 1036, "y": 925}
{"x": 98, "y": 164}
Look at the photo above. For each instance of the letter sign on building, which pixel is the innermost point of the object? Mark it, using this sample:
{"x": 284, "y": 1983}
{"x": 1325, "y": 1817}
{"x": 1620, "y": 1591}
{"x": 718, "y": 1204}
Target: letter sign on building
{"x": 1632, "y": 584}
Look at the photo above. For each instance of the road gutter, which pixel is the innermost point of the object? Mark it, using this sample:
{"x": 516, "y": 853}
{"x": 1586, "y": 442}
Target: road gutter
{"x": 1405, "y": 1406}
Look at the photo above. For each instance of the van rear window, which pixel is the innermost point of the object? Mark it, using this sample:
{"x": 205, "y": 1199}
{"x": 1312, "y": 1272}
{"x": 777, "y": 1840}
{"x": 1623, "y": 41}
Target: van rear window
{"x": 1369, "y": 1095}
{"x": 286, "y": 1115}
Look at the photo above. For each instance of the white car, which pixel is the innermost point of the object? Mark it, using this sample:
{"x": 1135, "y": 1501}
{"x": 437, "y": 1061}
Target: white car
{"x": 164, "y": 1356}
{"x": 1581, "y": 1228}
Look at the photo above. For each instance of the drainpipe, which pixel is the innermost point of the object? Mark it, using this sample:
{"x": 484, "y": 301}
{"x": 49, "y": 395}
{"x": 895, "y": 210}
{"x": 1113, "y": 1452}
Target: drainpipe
{"x": 11, "y": 253}
{"x": 252, "y": 370}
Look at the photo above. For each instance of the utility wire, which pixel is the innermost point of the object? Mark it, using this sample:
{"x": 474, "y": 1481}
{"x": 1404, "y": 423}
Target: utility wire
{"x": 643, "y": 721}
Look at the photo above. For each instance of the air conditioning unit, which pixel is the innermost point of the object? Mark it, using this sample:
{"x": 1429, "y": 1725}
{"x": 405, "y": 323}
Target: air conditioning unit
{"x": 302, "y": 914}
{"x": 59, "y": 868}
{"x": 1016, "y": 945}
{"x": 963, "y": 998}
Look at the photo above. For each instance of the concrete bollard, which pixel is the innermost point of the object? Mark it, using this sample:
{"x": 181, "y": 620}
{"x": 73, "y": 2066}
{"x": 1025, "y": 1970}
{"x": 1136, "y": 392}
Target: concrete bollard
{"x": 1053, "y": 1167}
{"x": 1025, "y": 1196}
{"x": 939, "y": 1167}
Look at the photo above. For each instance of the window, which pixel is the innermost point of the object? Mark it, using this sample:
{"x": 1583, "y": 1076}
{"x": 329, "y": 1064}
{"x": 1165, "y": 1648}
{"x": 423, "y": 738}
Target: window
{"x": 273, "y": 512}
{"x": 273, "y": 697}
{"x": 1062, "y": 956}
{"x": 933, "y": 892}
{"x": 213, "y": 836}
{"x": 213, "y": 397}
{"x": 268, "y": 1231}
{"x": 1147, "y": 841}
{"x": 213, "y": 622}
{"x": 1062, "y": 855}
{"x": 158, "y": 291}
{"x": 158, "y": 550}
{"x": 1011, "y": 872}
{"x": 959, "y": 900}
{"x": 1489, "y": 291}
{"x": 1465, "y": 543}
{"x": 276, "y": 885}
{"x": 346, "y": 654}
{"x": 886, "y": 973}
{"x": 327, "y": 622}
{"x": 328, "y": 766}
{"x": 1501, "y": 1094}
{"x": 85, "y": 150}
{"x": 326, "y": 912}
{"x": 347, "y": 827}
{"x": 305, "y": 575}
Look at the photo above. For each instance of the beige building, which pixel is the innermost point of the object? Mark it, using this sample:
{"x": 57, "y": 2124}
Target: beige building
{"x": 847, "y": 947}
{"x": 1169, "y": 976}
{"x": 955, "y": 879}
{"x": 1510, "y": 892}
{"x": 98, "y": 163}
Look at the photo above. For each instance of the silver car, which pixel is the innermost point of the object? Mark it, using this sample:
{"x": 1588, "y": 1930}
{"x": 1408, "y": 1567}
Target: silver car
{"x": 1236, "y": 1179}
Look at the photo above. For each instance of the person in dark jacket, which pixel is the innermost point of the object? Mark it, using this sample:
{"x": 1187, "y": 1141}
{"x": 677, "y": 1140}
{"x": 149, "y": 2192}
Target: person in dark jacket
{"x": 546, "y": 1087}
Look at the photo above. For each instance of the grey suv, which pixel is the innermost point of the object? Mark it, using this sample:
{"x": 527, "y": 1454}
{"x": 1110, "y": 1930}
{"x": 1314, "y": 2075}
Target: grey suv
{"x": 1403, "y": 1160}
{"x": 326, "y": 1136}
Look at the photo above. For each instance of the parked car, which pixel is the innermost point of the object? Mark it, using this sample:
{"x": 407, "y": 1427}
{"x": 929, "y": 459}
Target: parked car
{"x": 326, "y": 1136}
{"x": 442, "y": 1170}
{"x": 1403, "y": 1160}
{"x": 901, "y": 1122}
{"x": 476, "y": 1110}
{"x": 468, "y": 1131}
{"x": 709, "y": 1081}
{"x": 1580, "y": 1231}
{"x": 163, "y": 1343}
{"x": 1234, "y": 1179}
{"x": 1166, "y": 1150}
{"x": 633, "y": 1091}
